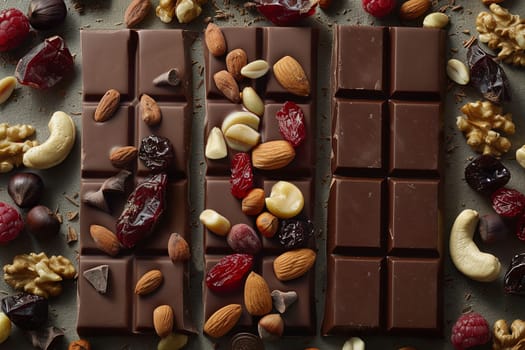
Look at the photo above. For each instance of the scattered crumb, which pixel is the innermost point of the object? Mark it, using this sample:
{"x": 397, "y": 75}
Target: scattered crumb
{"x": 72, "y": 215}
{"x": 72, "y": 235}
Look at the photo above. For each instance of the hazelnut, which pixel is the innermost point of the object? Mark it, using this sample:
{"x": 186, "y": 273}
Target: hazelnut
{"x": 270, "y": 327}
{"x": 80, "y": 344}
{"x": 253, "y": 203}
{"x": 267, "y": 224}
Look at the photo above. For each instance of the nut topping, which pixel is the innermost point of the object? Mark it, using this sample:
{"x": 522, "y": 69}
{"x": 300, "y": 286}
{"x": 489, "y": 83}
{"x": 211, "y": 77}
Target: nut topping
{"x": 214, "y": 39}
{"x": 107, "y": 105}
{"x": 290, "y": 74}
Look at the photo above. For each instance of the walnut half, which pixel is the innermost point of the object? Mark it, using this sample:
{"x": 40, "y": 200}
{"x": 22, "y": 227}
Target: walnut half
{"x": 38, "y": 274}
{"x": 479, "y": 123}
{"x": 505, "y": 340}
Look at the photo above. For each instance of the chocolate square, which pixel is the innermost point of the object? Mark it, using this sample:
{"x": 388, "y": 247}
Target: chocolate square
{"x": 354, "y": 294}
{"x": 355, "y": 221}
{"x": 414, "y": 215}
{"x": 414, "y": 297}
{"x": 358, "y": 137}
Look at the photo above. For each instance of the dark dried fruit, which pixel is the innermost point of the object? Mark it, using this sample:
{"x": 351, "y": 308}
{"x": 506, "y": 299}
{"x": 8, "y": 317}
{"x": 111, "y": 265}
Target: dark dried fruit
{"x": 242, "y": 175}
{"x": 45, "y": 65}
{"x": 508, "y": 203}
{"x": 229, "y": 273}
{"x": 286, "y": 12}
{"x": 514, "y": 280}
{"x": 42, "y": 222}
{"x": 27, "y": 311}
{"x": 486, "y": 174}
{"x": 292, "y": 123}
{"x": 46, "y": 14}
{"x": 520, "y": 228}
{"x": 487, "y": 75}
{"x": 46, "y": 338}
{"x": 25, "y": 189}
{"x": 156, "y": 152}
{"x": 492, "y": 228}
{"x": 295, "y": 233}
{"x": 142, "y": 211}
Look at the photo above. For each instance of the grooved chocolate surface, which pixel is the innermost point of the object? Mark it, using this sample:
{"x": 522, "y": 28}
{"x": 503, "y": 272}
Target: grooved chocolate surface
{"x": 130, "y": 61}
{"x": 384, "y": 215}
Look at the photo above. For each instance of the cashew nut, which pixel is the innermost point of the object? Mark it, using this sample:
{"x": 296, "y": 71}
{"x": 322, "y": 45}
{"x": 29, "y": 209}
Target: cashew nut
{"x": 465, "y": 255}
{"x": 56, "y": 148}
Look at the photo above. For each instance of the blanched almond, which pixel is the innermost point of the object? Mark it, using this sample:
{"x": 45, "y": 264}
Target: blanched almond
{"x": 215, "y": 145}
{"x": 241, "y": 137}
{"x": 240, "y": 117}
{"x": 252, "y": 101}
{"x": 255, "y": 69}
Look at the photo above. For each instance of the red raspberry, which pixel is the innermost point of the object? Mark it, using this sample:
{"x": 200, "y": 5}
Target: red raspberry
{"x": 11, "y": 223}
{"x": 379, "y": 8}
{"x": 14, "y": 28}
{"x": 470, "y": 330}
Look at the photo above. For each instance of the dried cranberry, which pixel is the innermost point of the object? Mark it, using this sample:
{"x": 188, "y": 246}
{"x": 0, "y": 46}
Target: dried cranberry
{"x": 228, "y": 274}
{"x": 286, "y": 12}
{"x": 487, "y": 75}
{"x": 295, "y": 233}
{"x": 486, "y": 174}
{"x": 379, "y": 8}
{"x": 292, "y": 123}
{"x": 46, "y": 64}
{"x": 508, "y": 203}
{"x": 156, "y": 152}
{"x": 27, "y": 311}
{"x": 242, "y": 175}
{"x": 514, "y": 280}
{"x": 142, "y": 211}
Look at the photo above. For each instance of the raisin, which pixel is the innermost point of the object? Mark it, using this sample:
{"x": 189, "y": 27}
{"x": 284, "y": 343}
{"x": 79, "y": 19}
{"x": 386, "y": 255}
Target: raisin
{"x": 156, "y": 152}
{"x": 487, "y": 75}
{"x": 242, "y": 175}
{"x": 27, "y": 311}
{"x": 508, "y": 203}
{"x": 486, "y": 174}
{"x": 295, "y": 233}
{"x": 286, "y": 12}
{"x": 46, "y": 64}
{"x": 514, "y": 280}
{"x": 292, "y": 123}
{"x": 229, "y": 273}
{"x": 142, "y": 211}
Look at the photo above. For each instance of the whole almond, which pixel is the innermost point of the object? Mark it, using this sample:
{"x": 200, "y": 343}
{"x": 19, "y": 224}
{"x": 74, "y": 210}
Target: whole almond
{"x": 178, "y": 248}
{"x": 293, "y": 264}
{"x": 163, "y": 320}
{"x": 227, "y": 85}
{"x": 290, "y": 74}
{"x": 136, "y": 12}
{"x": 104, "y": 239}
{"x": 120, "y": 157}
{"x": 413, "y": 9}
{"x": 272, "y": 155}
{"x": 253, "y": 203}
{"x": 107, "y": 105}
{"x": 214, "y": 39}
{"x": 235, "y": 60}
{"x": 257, "y": 296}
{"x": 222, "y": 320}
{"x": 149, "y": 282}
{"x": 150, "y": 111}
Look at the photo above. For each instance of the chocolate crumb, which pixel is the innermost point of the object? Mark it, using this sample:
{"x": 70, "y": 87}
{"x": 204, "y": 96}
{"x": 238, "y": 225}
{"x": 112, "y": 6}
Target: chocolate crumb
{"x": 72, "y": 235}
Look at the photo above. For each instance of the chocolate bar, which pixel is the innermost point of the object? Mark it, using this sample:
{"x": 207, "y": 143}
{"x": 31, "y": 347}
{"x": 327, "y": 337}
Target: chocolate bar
{"x": 384, "y": 239}
{"x": 129, "y": 61}
{"x": 269, "y": 44}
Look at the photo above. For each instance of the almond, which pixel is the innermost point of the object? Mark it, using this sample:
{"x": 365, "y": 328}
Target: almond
{"x": 253, "y": 203}
{"x": 150, "y": 111}
{"x": 235, "y": 60}
{"x": 107, "y": 105}
{"x": 227, "y": 85}
{"x": 325, "y": 4}
{"x": 136, "y": 12}
{"x": 214, "y": 39}
{"x": 105, "y": 240}
{"x": 257, "y": 296}
{"x": 272, "y": 155}
{"x": 178, "y": 248}
{"x": 290, "y": 74}
{"x": 293, "y": 264}
{"x": 223, "y": 320}
{"x": 122, "y": 156}
{"x": 149, "y": 282}
{"x": 163, "y": 320}
{"x": 413, "y": 9}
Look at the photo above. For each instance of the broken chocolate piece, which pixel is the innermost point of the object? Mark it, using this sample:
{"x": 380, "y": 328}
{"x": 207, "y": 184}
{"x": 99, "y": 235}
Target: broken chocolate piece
{"x": 283, "y": 300}
{"x": 98, "y": 277}
{"x": 114, "y": 184}
{"x": 514, "y": 280}
{"x": 45, "y": 338}
{"x": 170, "y": 78}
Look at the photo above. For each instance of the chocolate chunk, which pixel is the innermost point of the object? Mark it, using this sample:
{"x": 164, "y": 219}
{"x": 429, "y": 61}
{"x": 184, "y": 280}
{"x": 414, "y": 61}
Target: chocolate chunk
{"x": 98, "y": 277}
{"x": 45, "y": 338}
{"x": 244, "y": 341}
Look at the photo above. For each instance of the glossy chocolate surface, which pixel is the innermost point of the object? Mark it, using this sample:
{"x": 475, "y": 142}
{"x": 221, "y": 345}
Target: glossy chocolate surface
{"x": 384, "y": 216}
{"x": 145, "y": 55}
